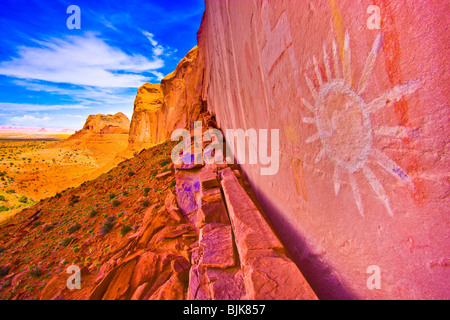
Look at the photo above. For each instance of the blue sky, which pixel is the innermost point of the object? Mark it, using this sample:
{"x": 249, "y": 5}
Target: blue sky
{"x": 54, "y": 77}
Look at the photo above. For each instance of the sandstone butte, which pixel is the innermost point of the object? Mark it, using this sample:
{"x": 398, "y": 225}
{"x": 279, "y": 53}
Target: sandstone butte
{"x": 107, "y": 124}
{"x": 105, "y": 135}
{"x": 104, "y": 138}
{"x": 358, "y": 214}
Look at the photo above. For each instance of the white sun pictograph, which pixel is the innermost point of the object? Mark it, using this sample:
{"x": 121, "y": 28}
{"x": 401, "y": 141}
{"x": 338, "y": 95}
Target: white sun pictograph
{"x": 343, "y": 121}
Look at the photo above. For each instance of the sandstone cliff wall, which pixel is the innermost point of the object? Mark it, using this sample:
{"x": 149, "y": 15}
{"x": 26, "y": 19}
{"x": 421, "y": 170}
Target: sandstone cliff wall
{"x": 177, "y": 102}
{"x": 363, "y": 120}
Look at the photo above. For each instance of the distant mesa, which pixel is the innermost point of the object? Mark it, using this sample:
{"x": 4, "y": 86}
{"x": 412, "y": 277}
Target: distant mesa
{"x": 13, "y": 129}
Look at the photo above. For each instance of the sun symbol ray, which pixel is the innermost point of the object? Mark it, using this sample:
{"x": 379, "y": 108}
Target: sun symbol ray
{"x": 313, "y": 138}
{"x": 309, "y": 120}
{"x": 317, "y": 71}
{"x": 390, "y": 166}
{"x": 335, "y": 59}
{"x": 308, "y": 105}
{"x": 399, "y": 132}
{"x": 337, "y": 179}
{"x": 326, "y": 61}
{"x": 346, "y": 63}
{"x": 378, "y": 188}
{"x": 392, "y": 96}
{"x": 311, "y": 87}
{"x": 343, "y": 120}
{"x": 321, "y": 156}
{"x": 370, "y": 64}
{"x": 356, "y": 193}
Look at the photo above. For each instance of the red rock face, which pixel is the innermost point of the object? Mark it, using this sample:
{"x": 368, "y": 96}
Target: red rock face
{"x": 177, "y": 102}
{"x": 363, "y": 120}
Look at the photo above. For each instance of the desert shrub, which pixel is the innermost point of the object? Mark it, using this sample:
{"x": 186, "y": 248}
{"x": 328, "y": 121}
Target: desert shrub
{"x": 131, "y": 173}
{"x": 35, "y": 272}
{"x": 4, "y": 270}
{"x": 108, "y": 225}
{"x": 173, "y": 184}
{"x": 125, "y": 229}
{"x": 146, "y": 191}
{"x": 11, "y": 191}
{"x": 29, "y": 288}
{"x": 116, "y": 203}
{"x": 4, "y": 208}
{"x": 164, "y": 163}
{"x": 2, "y": 198}
{"x": 47, "y": 228}
{"x": 146, "y": 203}
{"x": 112, "y": 196}
{"x": 93, "y": 213}
{"x": 74, "y": 200}
{"x": 67, "y": 241}
{"x": 23, "y": 199}
{"x": 74, "y": 228}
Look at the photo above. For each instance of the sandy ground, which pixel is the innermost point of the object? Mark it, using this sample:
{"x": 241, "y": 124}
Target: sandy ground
{"x": 37, "y": 165}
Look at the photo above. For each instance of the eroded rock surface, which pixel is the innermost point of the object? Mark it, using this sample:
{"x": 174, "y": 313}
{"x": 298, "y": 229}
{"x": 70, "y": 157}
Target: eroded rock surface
{"x": 107, "y": 124}
{"x": 177, "y": 102}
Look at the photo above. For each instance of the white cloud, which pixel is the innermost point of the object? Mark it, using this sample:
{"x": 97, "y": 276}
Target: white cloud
{"x": 85, "y": 75}
{"x": 85, "y": 95}
{"x": 80, "y": 60}
{"x": 150, "y": 37}
{"x": 8, "y": 107}
{"x": 157, "y": 50}
{"x": 158, "y": 75}
{"x": 30, "y": 119}
{"x": 79, "y": 116}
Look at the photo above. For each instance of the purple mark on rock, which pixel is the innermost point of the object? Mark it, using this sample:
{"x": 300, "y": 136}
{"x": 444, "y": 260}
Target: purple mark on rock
{"x": 401, "y": 174}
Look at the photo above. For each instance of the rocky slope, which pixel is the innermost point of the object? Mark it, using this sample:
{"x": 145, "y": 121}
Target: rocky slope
{"x": 82, "y": 226}
{"x": 149, "y": 229}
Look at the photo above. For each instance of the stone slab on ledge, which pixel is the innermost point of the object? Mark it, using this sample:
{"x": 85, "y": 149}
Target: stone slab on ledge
{"x": 268, "y": 273}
